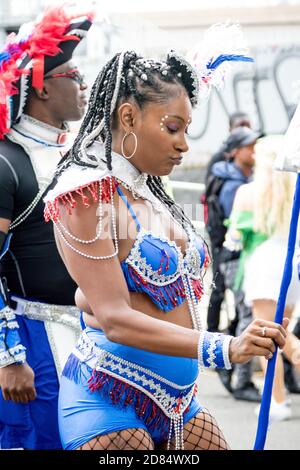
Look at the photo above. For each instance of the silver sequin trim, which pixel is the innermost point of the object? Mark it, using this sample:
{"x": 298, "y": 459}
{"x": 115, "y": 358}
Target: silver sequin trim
{"x": 7, "y": 313}
{"x": 188, "y": 264}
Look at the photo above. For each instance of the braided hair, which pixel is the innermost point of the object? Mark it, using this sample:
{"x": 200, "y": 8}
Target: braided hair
{"x": 126, "y": 75}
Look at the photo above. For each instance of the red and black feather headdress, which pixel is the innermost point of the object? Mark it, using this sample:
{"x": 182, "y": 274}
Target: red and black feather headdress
{"x": 27, "y": 56}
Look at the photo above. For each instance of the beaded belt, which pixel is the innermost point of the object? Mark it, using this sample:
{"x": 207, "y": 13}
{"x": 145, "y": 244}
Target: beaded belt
{"x": 67, "y": 315}
{"x": 171, "y": 398}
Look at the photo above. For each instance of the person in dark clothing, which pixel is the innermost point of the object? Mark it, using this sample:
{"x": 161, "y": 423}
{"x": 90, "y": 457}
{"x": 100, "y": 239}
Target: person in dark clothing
{"x": 237, "y": 119}
{"x": 240, "y": 145}
{"x": 40, "y": 93}
{"x": 232, "y": 174}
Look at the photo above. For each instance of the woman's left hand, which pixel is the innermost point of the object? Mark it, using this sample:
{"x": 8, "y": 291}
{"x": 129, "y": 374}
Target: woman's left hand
{"x": 259, "y": 339}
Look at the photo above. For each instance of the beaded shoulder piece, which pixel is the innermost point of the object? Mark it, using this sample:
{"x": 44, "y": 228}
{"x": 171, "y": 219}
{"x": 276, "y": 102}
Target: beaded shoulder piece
{"x": 82, "y": 181}
{"x": 86, "y": 181}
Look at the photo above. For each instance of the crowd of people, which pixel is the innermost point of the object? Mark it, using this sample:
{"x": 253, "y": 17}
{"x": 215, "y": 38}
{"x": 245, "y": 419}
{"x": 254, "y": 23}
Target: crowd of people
{"x": 101, "y": 337}
{"x": 248, "y": 206}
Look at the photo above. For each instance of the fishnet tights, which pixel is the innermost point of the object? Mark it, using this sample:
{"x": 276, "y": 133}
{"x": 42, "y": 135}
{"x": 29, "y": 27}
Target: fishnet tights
{"x": 127, "y": 439}
{"x": 200, "y": 433}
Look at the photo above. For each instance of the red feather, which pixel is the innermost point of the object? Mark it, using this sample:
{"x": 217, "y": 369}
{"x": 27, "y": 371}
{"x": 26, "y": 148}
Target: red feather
{"x": 44, "y": 40}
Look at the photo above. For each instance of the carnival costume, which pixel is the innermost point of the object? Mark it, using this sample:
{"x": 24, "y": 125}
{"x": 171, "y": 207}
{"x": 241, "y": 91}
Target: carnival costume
{"x": 39, "y": 323}
{"x": 107, "y": 386}
{"x": 159, "y": 388}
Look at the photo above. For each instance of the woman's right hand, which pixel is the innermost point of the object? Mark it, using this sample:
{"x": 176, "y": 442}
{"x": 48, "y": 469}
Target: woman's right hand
{"x": 258, "y": 339}
{"x": 17, "y": 383}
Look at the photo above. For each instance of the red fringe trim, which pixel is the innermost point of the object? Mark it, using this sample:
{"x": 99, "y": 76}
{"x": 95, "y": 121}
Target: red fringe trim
{"x": 159, "y": 293}
{"x": 207, "y": 259}
{"x": 171, "y": 291}
{"x": 198, "y": 288}
{"x": 117, "y": 391}
{"x": 123, "y": 394}
{"x": 51, "y": 211}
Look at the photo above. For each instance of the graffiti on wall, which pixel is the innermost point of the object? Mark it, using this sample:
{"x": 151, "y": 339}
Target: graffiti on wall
{"x": 274, "y": 80}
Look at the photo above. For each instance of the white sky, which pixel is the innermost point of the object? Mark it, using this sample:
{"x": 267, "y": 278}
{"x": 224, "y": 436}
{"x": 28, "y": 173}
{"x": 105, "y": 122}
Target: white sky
{"x": 15, "y": 7}
{"x": 22, "y": 7}
{"x": 160, "y": 5}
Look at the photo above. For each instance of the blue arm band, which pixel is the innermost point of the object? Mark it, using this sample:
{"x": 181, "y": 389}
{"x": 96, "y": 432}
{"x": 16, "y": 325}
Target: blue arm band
{"x": 213, "y": 350}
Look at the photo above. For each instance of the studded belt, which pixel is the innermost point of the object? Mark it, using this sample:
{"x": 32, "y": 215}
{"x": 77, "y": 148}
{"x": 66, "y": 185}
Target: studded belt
{"x": 67, "y": 315}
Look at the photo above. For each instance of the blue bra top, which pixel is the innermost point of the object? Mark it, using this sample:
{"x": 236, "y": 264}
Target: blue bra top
{"x": 156, "y": 265}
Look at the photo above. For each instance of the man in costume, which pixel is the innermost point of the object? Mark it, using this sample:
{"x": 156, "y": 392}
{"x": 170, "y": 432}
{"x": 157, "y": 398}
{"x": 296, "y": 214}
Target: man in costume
{"x": 40, "y": 91}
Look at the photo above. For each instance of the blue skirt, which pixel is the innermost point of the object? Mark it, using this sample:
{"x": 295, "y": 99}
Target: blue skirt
{"x": 34, "y": 425}
{"x": 108, "y": 387}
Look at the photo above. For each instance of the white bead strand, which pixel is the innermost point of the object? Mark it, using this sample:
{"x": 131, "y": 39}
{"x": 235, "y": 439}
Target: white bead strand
{"x": 114, "y": 224}
{"x": 22, "y": 217}
{"x": 99, "y": 225}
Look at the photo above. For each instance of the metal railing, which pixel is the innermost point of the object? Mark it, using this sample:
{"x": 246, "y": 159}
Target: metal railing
{"x": 189, "y": 186}
{"x": 200, "y": 187}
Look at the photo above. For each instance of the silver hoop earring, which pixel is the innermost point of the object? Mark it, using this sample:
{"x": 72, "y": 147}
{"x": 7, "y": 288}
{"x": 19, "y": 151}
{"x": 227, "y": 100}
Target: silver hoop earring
{"x": 135, "y": 145}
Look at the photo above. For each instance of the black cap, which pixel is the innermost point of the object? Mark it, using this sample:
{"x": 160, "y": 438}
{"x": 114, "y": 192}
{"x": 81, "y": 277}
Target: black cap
{"x": 240, "y": 137}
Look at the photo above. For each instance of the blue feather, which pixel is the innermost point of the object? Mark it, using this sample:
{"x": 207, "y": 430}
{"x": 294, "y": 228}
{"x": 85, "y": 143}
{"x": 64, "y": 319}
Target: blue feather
{"x": 4, "y": 56}
{"x": 10, "y": 51}
{"x": 227, "y": 58}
